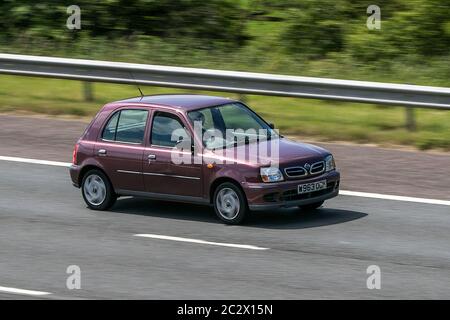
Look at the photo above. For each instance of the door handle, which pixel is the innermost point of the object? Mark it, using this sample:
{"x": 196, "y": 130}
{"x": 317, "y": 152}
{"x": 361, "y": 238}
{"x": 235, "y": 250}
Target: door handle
{"x": 152, "y": 157}
{"x": 102, "y": 152}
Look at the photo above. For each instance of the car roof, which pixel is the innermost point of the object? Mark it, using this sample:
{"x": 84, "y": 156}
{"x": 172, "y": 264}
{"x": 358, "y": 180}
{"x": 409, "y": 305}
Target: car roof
{"x": 180, "y": 101}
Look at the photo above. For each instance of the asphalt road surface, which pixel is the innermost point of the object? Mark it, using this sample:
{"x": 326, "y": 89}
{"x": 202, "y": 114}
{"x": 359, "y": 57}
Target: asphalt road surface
{"x": 45, "y": 227}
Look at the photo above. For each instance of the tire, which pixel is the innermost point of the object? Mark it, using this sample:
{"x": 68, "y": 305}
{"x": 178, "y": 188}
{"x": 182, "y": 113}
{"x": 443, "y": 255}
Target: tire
{"x": 97, "y": 191}
{"x": 230, "y": 203}
{"x": 311, "y": 206}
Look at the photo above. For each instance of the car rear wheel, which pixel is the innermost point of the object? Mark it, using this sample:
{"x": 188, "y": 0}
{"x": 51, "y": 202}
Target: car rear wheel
{"x": 311, "y": 206}
{"x": 230, "y": 203}
{"x": 97, "y": 191}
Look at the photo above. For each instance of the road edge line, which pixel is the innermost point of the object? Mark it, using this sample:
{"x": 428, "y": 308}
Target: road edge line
{"x": 23, "y": 291}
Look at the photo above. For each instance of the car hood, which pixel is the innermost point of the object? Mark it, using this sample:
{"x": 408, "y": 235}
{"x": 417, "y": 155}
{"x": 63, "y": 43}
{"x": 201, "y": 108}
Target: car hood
{"x": 290, "y": 152}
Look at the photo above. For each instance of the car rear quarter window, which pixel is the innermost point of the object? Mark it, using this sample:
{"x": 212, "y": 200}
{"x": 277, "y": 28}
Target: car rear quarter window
{"x": 126, "y": 126}
{"x": 109, "y": 133}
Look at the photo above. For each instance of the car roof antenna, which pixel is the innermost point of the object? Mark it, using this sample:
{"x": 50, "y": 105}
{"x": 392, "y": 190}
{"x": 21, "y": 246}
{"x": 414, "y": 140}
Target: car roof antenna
{"x": 137, "y": 85}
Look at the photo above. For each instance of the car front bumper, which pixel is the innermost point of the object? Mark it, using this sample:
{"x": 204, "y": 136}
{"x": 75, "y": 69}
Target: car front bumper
{"x": 266, "y": 196}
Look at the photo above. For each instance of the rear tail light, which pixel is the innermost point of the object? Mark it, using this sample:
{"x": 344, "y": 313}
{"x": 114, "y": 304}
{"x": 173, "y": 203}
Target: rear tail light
{"x": 74, "y": 155}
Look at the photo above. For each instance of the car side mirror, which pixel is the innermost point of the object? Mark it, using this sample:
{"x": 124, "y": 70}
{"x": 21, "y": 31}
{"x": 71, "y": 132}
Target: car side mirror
{"x": 272, "y": 126}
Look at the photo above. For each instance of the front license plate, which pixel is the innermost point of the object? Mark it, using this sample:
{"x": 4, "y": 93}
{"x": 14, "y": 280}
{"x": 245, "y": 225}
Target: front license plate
{"x": 313, "y": 186}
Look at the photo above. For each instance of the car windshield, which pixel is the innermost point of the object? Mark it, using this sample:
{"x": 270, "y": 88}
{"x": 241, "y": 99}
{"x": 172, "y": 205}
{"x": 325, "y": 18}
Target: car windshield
{"x": 228, "y": 125}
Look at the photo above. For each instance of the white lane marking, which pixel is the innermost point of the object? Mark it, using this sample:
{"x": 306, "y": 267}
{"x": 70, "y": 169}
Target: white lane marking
{"x": 35, "y": 161}
{"x": 23, "y": 291}
{"x": 233, "y": 245}
{"x": 392, "y": 197}
{"x": 341, "y": 192}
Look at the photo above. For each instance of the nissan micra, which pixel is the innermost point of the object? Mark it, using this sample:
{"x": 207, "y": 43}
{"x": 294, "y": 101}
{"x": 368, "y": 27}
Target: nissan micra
{"x": 198, "y": 149}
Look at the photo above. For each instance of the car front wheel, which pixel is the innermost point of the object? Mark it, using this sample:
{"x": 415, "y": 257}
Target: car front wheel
{"x": 97, "y": 190}
{"x": 230, "y": 203}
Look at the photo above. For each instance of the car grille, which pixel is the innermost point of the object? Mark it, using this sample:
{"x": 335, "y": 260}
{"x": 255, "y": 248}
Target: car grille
{"x": 317, "y": 167}
{"x": 298, "y": 171}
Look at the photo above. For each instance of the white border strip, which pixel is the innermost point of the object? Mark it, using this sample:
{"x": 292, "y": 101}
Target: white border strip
{"x": 232, "y": 245}
{"x": 35, "y": 161}
{"x": 341, "y": 192}
{"x": 23, "y": 291}
{"x": 392, "y": 197}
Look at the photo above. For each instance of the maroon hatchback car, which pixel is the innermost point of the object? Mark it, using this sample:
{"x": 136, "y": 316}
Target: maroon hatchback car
{"x": 198, "y": 149}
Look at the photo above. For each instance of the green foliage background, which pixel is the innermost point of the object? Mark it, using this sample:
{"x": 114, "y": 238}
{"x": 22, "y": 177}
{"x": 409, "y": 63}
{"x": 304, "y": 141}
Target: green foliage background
{"x": 305, "y": 37}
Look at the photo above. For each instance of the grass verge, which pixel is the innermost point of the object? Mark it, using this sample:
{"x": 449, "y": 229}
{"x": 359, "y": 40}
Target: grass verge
{"x": 310, "y": 119}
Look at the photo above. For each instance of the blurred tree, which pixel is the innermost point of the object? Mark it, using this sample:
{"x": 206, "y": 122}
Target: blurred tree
{"x": 211, "y": 21}
{"x": 309, "y": 28}
{"x": 356, "y": 9}
{"x": 420, "y": 29}
{"x": 316, "y": 28}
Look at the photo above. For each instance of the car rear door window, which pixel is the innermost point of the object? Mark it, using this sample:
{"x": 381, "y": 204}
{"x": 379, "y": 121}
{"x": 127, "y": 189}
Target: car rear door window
{"x": 163, "y": 127}
{"x": 126, "y": 126}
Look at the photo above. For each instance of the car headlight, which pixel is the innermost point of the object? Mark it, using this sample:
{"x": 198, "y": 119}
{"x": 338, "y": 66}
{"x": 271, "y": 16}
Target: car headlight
{"x": 329, "y": 163}
{"x": 271, "y": 174}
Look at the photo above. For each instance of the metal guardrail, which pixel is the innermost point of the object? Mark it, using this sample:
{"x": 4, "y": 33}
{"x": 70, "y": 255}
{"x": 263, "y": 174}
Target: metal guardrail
{"x": 229, "y": 81}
